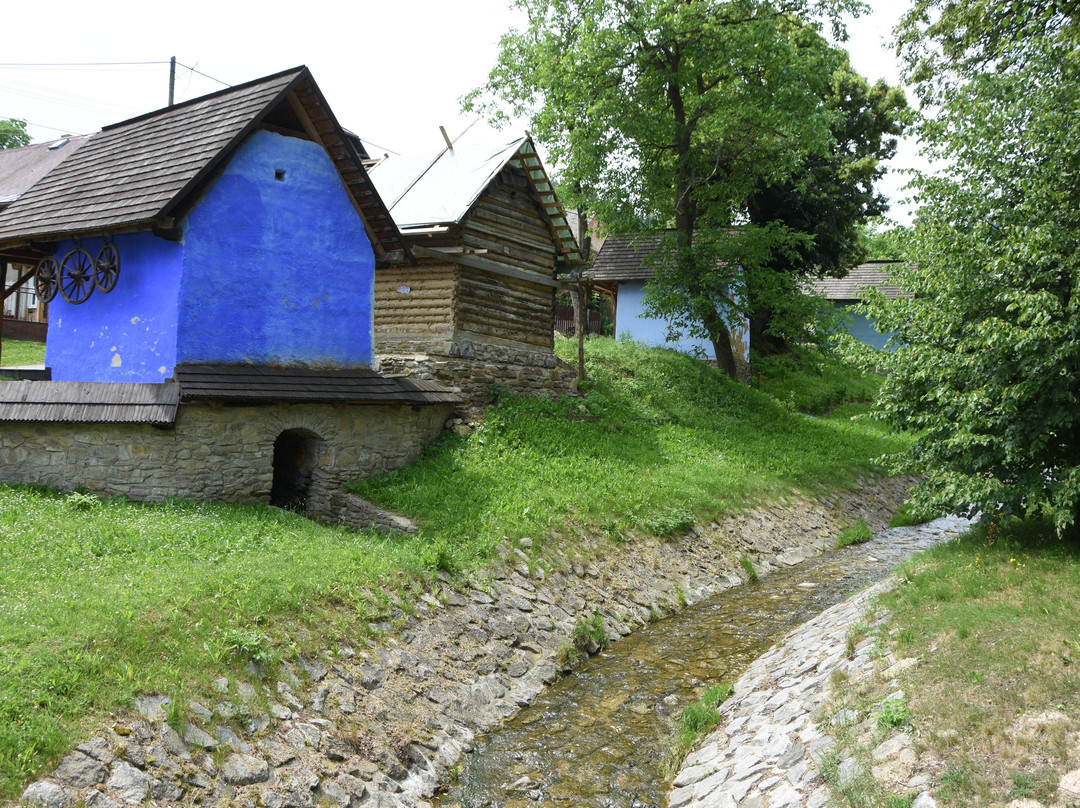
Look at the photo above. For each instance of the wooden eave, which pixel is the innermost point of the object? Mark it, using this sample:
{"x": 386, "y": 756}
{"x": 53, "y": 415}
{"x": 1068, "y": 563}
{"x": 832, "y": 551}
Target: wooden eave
{"x": 568, "y": 253}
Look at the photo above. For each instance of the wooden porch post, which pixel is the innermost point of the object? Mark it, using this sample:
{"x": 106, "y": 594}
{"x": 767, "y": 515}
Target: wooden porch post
{"x": 3, "y": 289}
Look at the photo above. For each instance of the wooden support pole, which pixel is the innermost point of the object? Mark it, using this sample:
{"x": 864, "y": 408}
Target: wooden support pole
{"x": 3, "y": 289}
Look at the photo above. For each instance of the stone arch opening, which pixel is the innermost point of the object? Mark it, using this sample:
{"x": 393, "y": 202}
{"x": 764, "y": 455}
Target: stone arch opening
{"x": 296, "y": 453}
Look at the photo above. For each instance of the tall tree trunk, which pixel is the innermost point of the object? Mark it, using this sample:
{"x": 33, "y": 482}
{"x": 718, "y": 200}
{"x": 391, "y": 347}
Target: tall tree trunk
{"x": 686, "y": 222}
{"x": 721, "y": 342}
{"x": 764, "y": 343}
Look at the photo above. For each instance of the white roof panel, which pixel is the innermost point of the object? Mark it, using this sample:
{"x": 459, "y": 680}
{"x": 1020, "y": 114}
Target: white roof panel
{"x": 439, "y": 187}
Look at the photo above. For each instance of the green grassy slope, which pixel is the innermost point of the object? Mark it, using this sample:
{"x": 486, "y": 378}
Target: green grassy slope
{"x": 100, "y": 600}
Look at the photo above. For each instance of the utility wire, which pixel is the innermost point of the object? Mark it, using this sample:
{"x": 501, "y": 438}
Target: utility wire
{"x": 76, "y": 64}
{"x": 193, "y": 70}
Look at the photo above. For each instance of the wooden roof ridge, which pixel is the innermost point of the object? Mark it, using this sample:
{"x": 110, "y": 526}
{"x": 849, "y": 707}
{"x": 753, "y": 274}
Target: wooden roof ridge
{"x": 141, "y": 171}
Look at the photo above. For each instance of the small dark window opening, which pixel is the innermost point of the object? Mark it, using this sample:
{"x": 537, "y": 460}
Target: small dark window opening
{"x": 279, "y": 174}
{"x": 295, "y": 453}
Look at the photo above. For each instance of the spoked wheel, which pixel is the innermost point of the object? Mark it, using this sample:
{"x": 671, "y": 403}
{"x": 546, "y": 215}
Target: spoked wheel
{"x": 77, "y": 276}
{"x": 46, "y": 278}
{"x": 107, "y": 268}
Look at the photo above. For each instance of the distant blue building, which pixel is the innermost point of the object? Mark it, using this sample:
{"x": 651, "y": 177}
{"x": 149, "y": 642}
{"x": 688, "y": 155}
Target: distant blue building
{"x": 846, "y": 294}
{"x": 621, "y": 271}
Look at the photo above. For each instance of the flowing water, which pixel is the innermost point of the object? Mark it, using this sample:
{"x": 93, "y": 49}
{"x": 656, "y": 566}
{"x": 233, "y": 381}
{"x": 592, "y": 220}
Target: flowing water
{"x": 596, "y": 738}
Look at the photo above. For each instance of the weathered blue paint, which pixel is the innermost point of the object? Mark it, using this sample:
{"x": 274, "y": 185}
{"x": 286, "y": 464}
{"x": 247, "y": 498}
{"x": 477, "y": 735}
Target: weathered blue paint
{"x": 631, "y": 322}
{"x": 129, "y": 334}
{"x": 864, "y": 328}
{"x": 277, "y": 267}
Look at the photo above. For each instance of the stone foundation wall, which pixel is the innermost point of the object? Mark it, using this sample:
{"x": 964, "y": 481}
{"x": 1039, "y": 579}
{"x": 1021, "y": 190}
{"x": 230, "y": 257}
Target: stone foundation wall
{"x": 473, "y": 373}
{"x": 218, "y": 452}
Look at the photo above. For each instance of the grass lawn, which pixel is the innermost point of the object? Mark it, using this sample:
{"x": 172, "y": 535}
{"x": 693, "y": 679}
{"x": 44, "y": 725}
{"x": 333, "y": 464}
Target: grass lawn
{"x": 994, "y": 703}
{"x": 22, "y": 352}
{"x": 657, "y": 442}
{"x": 100, "y": 600}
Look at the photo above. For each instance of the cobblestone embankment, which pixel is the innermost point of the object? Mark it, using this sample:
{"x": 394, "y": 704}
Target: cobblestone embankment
{"x": 382, "y": 724}
{"x": 766, "y": 751}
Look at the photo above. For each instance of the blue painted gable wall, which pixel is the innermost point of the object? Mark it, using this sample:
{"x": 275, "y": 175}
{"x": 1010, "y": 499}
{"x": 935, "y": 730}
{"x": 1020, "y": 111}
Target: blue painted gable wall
{"x": 129, "y": 334}
{"x": 277, "y": 271}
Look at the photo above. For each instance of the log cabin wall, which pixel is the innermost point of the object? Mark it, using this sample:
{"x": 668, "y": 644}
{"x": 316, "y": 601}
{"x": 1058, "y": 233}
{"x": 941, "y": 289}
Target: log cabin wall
{"x": 508, "y": 223}
{"x": 470, "y": 329}
{"x": 414, "y": 307}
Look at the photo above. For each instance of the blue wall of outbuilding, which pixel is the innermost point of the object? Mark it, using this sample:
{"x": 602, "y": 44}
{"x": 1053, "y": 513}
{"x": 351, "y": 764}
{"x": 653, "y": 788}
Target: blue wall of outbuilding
{"x": 128, "y": 334}
{"x": 277, "y": 266}
{"x": 863, "y": 328}
{"x": 631, "y": 322}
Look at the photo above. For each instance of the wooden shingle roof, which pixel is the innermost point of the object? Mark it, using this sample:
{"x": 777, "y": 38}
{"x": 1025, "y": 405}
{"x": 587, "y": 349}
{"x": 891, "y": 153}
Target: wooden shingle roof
{"x": 260, "y": 383}
{"x": 23, "y": 167}
{"x": 872, "y": 274}
{"x": 147, "y": 170}
{"x": 89, "y": 402}
{"x": 622, "y": 258}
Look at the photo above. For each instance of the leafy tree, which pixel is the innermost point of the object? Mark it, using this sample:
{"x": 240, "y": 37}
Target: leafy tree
{"x": 828, "y": 198}
{"x": 883, "y": 240}
{"x": 988, "y": 371}
{"x": 13, "y": 133}
{"x": 673, "y": 112}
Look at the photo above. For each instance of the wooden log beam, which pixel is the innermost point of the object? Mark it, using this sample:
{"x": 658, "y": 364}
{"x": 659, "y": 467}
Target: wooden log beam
{"x": 485, "y": 265}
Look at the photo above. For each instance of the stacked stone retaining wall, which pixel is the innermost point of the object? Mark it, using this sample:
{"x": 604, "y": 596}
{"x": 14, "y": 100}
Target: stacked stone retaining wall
{"x": 474, "y": 371}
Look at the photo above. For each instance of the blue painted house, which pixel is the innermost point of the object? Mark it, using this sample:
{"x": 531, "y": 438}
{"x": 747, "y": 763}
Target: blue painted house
{"x": 243, "y": 227}
{"x": 621, "y": 271}
{"x": 210, "y": 270}
{"x": 846, "y": 294}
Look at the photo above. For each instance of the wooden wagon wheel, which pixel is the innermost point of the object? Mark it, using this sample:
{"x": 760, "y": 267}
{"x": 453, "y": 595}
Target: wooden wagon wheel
{"x": 46, "y": 278}
{"x": 77, "y": 276}
{"x": 107, "y": 268}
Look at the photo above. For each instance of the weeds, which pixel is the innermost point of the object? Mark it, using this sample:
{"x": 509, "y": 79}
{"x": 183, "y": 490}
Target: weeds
{"x": 909, "y": 515}
{"x": 588, "y": 637}
{"x": 893, "y": 714}
{"x": 857, "y": 533}
{"x": 748, "y": 567}
{"x": 22, "y": 352}
{"x": 984, "y": 613}
{"x": 669, "y": 442}
{"x": 695, "y": 721}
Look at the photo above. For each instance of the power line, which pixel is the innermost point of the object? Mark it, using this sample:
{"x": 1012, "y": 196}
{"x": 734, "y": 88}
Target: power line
{"x": 78, "y": 64}
{"x": 367, "y": 142}
{"x": 193, "y": 70}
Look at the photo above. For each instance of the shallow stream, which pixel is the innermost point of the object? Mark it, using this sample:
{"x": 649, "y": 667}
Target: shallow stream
{"x": 597, "y": 738}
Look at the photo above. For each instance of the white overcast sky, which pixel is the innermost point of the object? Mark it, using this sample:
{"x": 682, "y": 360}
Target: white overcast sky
{"x": 392, "y": 71}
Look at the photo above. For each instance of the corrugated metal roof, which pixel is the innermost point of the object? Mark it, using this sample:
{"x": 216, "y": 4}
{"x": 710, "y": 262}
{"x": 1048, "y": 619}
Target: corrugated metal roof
{"x": 137, "y": 171}
{"x": 872, "y": 274}
{"x": 262, "y": 383}
{"x": 440, "y": 187}
{"x": 24, "y": 167}
{"x": 89, "y": 402}
{"x": 622, "y": 258}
